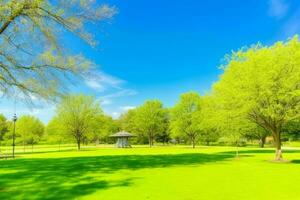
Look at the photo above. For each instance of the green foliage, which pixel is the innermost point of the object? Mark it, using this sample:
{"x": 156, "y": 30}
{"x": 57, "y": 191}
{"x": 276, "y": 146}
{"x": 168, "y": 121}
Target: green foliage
{"x": 34, "y": 58}
{"x": 78, "y": 116}
{"x": 261, "y": 85}
{"x": 4, "y": 127}
{"x": 147, "y": 121}
{"x": 29, "y": 130}
{"x": 186, "y": 117}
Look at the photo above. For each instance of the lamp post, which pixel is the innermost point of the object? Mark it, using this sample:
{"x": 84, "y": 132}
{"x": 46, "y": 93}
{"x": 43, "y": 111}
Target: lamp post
{"x": 14, "y": 134}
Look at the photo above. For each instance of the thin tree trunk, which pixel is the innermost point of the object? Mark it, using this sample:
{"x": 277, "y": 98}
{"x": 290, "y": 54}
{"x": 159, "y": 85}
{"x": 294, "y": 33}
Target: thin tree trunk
{"x": 193, "y": 141}
{"x": 78, "y": 145}
{"x": 262, "y": 141}
{"x": 277, "y": 143}
{"x": 150, "y": 140}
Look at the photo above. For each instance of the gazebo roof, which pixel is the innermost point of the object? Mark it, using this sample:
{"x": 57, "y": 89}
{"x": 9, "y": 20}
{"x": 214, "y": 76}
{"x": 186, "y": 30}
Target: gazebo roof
{"x": 122, "y": 134}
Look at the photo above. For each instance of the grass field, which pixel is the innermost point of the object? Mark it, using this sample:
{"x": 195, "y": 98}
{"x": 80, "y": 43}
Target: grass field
{"x": 159, "y": 173}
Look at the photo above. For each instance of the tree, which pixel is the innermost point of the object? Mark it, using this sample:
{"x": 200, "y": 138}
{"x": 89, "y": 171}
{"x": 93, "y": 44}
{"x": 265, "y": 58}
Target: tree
{"x": 78, "y": 115}
{"x": 55, "y": 132}
{"x": 30, "y": 130}
{"x": 186, "y": 116}
{"x": 33, "y": 54}
{"x": 4, "y": 127}
{"x": 104, "y": 127}
{"x": 149, "y": 119}
{"x": 261, "y": 85}
{"x": 209, "y": 120}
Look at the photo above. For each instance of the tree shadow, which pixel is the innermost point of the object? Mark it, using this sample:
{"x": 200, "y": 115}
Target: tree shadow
{"x": 263, "y": 151}
{"x": 70, "y": 178}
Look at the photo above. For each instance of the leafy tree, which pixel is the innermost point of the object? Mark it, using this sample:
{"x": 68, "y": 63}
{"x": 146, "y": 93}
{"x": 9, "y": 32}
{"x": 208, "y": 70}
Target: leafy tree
{"x": 150, "y": 119}
{"x": 291, "y": 130}
{"x": 55, "y": 132}
{"x": 78, "y": 115}
{"x": 33, "y": 54}
{"x": 29, "y": 129}
{"x": 4, "y": 127}
{"x": 105, "y": 126}
{"x": 209, "y": 123}
{"x": 261, "y": 85}
{"x": 186, "y": 116}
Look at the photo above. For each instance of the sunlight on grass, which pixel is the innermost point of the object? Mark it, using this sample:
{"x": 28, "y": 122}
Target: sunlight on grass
{"x": 156, "y": 173}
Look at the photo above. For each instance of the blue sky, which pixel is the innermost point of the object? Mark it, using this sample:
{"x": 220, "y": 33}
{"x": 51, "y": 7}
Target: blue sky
{"x": 159, "y": 49}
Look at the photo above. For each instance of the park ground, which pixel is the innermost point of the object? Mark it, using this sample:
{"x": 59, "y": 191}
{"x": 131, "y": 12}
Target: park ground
{"x": 172, "y": 172}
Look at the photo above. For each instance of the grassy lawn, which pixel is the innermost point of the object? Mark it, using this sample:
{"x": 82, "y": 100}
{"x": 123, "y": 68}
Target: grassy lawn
{"x": 159, "y": 173}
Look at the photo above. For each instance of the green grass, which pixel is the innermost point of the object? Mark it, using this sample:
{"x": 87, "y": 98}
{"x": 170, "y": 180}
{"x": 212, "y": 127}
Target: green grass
{"x": 159, "y": 173}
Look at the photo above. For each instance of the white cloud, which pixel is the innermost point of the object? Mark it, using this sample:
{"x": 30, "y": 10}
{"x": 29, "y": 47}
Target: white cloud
{"x": 278, "y": 8}
{"x": 126, "y": 108}
{"x": 115, "y": 115}
{"x": 100, "y": 81}
{"x": 121, "y": 93}
{"x": 104, "y": 102}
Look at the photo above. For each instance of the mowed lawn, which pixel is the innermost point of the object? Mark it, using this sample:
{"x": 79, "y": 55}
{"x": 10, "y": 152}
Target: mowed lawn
{"x": 159, "y": 173}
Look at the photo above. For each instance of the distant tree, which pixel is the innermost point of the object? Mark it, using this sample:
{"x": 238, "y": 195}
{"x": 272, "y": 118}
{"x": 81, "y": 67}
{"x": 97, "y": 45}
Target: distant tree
{"x": 208, "y": 120}
{"x": 78, "y": 114}
{"x": 261, "y": 84}
{"x": 186, "y": 116}
{"x": 33, "y": 54}
{"x": 56, "y": 133}
{"x": 150, "y": 119}
{"x": 104, "y": 127}
{"x": 258, "y": 133}
{"x": 165, "y": 136}
{"x": 29, "y": 129}
{"x": 4, "y": 128}
{"x": 291, "y": 130}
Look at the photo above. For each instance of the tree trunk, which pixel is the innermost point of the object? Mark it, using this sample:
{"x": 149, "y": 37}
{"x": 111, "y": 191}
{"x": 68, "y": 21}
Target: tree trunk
{"x": 262, "y": 141}
{"x": 193, "y": 141}
{"x": 78, "y": 145}
{"x": 150, "y": 140}
{"x": 277, "y": 143}
{"x": 207, "y": 143}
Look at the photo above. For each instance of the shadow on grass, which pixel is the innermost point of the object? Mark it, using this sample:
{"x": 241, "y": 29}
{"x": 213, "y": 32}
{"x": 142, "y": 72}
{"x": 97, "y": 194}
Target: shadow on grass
{"x": 70, "y": 178}
{"x": 266, "y": 151}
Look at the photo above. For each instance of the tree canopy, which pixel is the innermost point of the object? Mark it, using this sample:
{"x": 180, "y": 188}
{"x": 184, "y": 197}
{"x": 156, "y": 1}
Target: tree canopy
{"x": 33, "y": 53}
{"x": 261, "y": 85}
{"x": 78, "y": 116}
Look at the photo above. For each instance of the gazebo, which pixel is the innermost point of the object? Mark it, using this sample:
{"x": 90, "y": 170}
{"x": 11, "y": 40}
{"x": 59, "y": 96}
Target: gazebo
{"x": 122, "y": 139}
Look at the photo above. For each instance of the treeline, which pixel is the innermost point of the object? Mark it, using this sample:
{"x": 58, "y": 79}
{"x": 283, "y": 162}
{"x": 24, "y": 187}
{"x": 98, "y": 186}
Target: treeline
{"x": 257, "y": 96}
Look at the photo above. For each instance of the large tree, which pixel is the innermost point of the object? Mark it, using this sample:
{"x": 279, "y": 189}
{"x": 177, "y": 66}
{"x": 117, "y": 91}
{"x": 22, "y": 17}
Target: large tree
{"x": 78, "y": 115}
{"x": 261, "y": 84}
{"x": 186, "y": 116}
{"x": 33, "y": 54}
{"x": 150, "y": 119}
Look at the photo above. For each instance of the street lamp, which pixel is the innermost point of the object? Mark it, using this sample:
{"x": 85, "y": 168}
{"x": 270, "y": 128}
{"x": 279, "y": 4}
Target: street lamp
{"x": 14, "y": 134}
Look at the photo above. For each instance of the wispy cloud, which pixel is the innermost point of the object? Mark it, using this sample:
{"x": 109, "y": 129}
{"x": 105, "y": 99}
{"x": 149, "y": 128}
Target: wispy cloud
{"x": 121, "y": 93}
{"x": 278, "y": 8}
{"x": 292, "y": 25}
{"x": 108, "y": 99}
{"x": 101, "y": 81}
{"x": 126, "y": 108}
